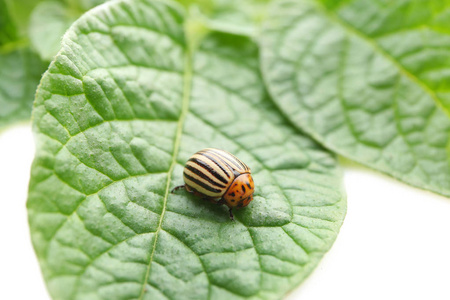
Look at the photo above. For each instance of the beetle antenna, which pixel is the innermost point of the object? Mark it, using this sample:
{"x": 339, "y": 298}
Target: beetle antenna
{"x": 231, "y": 214}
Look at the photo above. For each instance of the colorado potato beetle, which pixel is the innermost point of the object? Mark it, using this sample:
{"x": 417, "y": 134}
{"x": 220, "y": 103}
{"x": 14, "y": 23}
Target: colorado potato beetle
{"x": 220, "y": 177}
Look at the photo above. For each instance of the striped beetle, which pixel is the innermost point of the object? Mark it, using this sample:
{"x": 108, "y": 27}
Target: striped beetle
{"x": 220, "y": 177}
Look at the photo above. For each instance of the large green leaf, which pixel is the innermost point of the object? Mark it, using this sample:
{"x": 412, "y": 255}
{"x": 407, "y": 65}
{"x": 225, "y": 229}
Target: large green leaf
{"x": 362, "y": 85}
{"x": 20, "y": 72}
{"x": 122, "y": 107}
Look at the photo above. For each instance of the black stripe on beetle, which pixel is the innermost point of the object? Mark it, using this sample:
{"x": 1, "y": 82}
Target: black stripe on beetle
{"x": 242, "y": 164}
{"x": 210, "y": 169}
{"x": 219, "y": 158}
{"x": 203, "y": 176}
{"x": 232, "y": 160}
{"x": 216, "y": 162}
{"x": 224, "y": 160}
{"x": 202, "y": 184}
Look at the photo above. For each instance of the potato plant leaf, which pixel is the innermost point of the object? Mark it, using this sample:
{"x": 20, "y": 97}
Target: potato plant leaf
{"x": 48, "y": 22}
{"x": 415, "y": 35}
{"x": 8, "y": 32}
{"x": 19, "y": 13}
{"x": 366, "y": 80}
{"x": 230, "y": 16}
{"x": 123, "y": 105}
{"x": 20, "y": 72}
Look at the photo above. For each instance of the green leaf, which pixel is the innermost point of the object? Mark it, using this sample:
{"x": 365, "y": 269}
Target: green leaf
{"x": 20, "y": 73}
{"x": 337, "y": 73}
{"x": 7, "y": 28}
{"x": 236, "y": 16}
{"x": 20, "y": 11}
{"x": 415, "y": 35}
{"x": 122, "y": 107}
{"x": 21, "y": 68}
{"x": 84, "y": 5}
{"x": 48, "y": 22}
{"x": 230, "y": 16}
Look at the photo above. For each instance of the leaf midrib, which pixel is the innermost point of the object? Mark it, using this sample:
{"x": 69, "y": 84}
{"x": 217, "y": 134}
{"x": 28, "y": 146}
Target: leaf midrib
{"x": 334, "y": 17}
{"x": 187, "y": 81}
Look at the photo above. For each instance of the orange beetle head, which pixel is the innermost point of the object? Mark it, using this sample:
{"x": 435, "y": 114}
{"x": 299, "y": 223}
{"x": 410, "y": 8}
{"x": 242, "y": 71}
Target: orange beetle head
{"x": 240, "y": 192}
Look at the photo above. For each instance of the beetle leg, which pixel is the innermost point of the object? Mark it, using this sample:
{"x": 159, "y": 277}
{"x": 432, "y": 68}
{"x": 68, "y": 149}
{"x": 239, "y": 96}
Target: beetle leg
{"x": 231, "y": 214}
{"x": 221, "y": 201}
{"x": 177, "y": 188}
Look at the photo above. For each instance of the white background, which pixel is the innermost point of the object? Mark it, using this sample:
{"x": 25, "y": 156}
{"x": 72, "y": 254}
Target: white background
{"x": 394, "y": 244}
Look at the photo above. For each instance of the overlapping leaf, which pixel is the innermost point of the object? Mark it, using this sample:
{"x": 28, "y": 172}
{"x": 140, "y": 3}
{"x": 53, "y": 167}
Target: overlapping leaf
{"x": 414, "y": 35}
{"x": 19, "y": 76}
{"x": 8, "y": 31}
{"x": 48, "y": 22}
{"x": 121, "y": 108}
{"x": 231, "y": 16}
{"x": 364, "y": 78}
{"x": 20, "y": 71}
{"x": 19, "y": 13}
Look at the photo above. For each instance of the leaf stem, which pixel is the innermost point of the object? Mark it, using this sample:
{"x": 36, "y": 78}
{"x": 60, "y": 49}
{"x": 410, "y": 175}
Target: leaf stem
{"x": 187, "y": 82}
